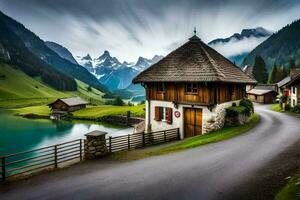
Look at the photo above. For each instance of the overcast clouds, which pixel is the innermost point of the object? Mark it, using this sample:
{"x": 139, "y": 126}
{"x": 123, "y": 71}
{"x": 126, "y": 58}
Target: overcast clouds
{"x": 132, "y": 28}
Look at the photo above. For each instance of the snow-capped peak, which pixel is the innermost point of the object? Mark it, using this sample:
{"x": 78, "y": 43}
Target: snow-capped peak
{"x": 87, "y": 57}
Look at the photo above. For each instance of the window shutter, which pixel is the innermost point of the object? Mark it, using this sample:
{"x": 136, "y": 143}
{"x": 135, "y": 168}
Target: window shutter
{"x": 169, "y": 115}
{"x": 157, "y": 113}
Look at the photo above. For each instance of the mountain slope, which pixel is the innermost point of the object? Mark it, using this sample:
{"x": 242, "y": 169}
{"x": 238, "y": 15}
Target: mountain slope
{"x": 280, "y": 47}
{"x": 14, "y": 51}
{"x": 18, "y": 89}
{"x": 37, "y": 46}
{"x": 61, "y": 51}
{"x": 15, "y": 84}
{"x": 237, "y": 46}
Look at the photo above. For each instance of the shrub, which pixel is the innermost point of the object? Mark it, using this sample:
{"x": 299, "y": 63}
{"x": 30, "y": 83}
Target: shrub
{"x": 248, "y": 105}
{"x": 287, "y": 107}
{"x": 296, "y": 109}
{"x": 89, "y": 88}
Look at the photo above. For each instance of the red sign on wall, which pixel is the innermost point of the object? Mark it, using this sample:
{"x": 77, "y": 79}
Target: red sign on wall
{"x": 177, "y": 114}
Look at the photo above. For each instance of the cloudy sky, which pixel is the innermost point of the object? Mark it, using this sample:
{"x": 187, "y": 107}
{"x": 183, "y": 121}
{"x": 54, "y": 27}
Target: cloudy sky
{"x": 132, "y": 28}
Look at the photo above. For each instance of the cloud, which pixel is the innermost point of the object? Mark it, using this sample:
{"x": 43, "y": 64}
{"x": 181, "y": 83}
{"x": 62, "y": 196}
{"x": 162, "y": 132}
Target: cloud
{"x": 133, "y": 28}
{"x": 236, "y": 47}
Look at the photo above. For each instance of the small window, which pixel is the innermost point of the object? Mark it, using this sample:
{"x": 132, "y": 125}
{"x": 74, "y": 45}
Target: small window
{"x": 163, "y": 114}
{"x": 294, "y": 90}
{"x": 160, "y": 87}
{"x": 255, "y": 97}
{"x": 191, "y": 88}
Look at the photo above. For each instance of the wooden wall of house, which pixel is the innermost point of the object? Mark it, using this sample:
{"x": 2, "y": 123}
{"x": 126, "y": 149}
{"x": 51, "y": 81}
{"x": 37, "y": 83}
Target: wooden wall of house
{"x": 264, "y": 99}
{"x": 256, "y": 98}
{"x": 208, "y": 94}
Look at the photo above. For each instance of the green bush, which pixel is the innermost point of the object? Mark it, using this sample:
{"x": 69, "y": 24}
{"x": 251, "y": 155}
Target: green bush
{"x": 248, "y": 105}
{"x": 287, "y": 107}
{"x": 296, "y": 109}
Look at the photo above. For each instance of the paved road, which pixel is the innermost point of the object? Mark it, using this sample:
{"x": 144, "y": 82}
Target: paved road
{"x": 210, "y": 172}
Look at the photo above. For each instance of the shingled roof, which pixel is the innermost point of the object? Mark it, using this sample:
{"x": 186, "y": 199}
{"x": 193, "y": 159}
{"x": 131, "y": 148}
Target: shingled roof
{"x": 73, "y": 101}
{"x": 194, "y": 62}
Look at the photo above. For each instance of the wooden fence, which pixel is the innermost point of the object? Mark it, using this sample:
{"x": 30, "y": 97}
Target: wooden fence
{"x": 139, "y": 140}
{"x": 38, "y": 159}
{"x": 53, "y": 156}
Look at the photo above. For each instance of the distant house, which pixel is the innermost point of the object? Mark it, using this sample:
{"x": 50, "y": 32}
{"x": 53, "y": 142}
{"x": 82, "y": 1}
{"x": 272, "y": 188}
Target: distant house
{"x": 285, "y": 87}
{"x": 190, "y": 89}
{"x": 281, "y": 86}
{"x": 68, "y": 104}
{"x": 294, "y": 87}
{"x": 264, "y": 93}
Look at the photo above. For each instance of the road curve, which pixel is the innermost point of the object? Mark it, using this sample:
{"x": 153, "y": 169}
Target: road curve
{"x": 208, "y": 172}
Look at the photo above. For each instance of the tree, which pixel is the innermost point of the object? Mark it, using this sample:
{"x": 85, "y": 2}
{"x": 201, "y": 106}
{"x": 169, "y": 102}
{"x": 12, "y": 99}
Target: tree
{"x": 260, "y": 72}
{"x": 89, "y": 88}
{"x": 274, "y": 75}
{"x": 292, "y": 63}
{"x": 118, "y": 101}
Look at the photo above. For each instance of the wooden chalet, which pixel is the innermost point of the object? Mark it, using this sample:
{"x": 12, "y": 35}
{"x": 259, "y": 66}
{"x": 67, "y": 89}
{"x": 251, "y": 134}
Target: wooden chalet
{"x": 264, "y": 93}
{"x": 190, "y": 87}
{"x": 68, "y": 104}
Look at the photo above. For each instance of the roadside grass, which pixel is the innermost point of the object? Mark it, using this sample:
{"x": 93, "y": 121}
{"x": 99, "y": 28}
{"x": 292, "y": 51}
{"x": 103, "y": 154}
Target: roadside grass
{"x": 89, "y": 113}
{"x": 216, "y": 136}
{"x": 277, "y": 108}
{"x": 96, "y": 112}
{"x": 291, "y": 190}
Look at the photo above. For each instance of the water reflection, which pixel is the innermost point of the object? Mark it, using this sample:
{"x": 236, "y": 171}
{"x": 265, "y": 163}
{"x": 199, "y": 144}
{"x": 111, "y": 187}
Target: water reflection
{"x": 19, "y": 134}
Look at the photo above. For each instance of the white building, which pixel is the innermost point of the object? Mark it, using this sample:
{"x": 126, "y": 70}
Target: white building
{"x": 190, "y": 88}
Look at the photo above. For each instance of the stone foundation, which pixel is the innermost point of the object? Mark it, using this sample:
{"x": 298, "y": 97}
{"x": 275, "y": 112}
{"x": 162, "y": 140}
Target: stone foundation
{"x": 95, "y": 145}
{"x": 217, "y": 118}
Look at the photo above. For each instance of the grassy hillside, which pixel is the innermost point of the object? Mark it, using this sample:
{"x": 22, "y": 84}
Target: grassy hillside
{"x": 19, "y": 90}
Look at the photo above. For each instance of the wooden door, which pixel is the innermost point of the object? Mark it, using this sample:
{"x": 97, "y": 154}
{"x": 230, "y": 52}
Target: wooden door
{"x": 192, "y": 122}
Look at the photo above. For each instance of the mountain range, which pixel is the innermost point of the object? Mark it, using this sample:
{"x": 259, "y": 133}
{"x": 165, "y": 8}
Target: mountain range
{"x": 112, "y": 73}
{"x": 237, "y": 46}
{"x": 32, "y": 55}
{"x": 280, "y": 48}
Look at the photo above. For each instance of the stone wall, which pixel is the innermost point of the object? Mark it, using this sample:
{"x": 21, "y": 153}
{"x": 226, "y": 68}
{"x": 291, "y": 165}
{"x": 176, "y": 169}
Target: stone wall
{"x": 217, "y": 118}
{"x": 95, "y": 145}
{"x": 235, "y": 118}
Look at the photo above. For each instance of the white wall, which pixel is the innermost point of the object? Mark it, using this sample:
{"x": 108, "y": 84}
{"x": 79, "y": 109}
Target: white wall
{"x": 178, "y": 122}
{"x": 294, "y": 99}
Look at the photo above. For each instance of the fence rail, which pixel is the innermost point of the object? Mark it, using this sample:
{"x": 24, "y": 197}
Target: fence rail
{"x": 134, "y": 141}
{"x": 52, "y": 156}
{"x": 34, "y": 160}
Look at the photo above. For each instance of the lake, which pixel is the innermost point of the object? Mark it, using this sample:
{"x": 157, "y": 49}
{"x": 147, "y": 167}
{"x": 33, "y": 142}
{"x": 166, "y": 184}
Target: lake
{"x": 21, "y": 134}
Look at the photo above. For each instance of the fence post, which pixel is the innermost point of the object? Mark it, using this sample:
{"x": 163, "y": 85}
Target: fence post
{"x": 128, "y": 141}
{"x": 3, "y": 169}
{"x": 110, "y": 144}
{"x": 178, "y": 134}
{"x": 143, "y": 139}
{"x": 55, "y": 156}
{"x": 80, "y": 149}
{"x": 165, "y": 138}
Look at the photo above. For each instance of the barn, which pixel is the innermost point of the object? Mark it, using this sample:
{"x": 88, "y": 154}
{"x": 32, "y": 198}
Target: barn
{"x": 68, "y": 104}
